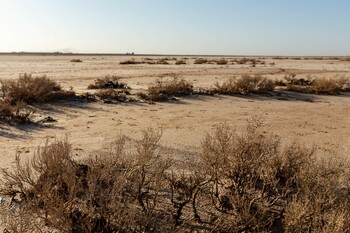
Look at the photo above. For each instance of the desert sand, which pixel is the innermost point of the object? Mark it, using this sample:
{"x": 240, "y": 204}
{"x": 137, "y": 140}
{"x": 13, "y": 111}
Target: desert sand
{"x": 318, "y": 120}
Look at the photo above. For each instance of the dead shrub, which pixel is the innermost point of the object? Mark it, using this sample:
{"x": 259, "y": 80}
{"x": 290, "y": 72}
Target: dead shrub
{"x": 249, "y": 61}
{"x": 130, "y": 62}
{"x": 108, "y": 81}
{"x": 180, "y": 62}
{"x": 17, "y": 113}
{"x": 184, "y": 189}
{"x": 163, "y": 61}
{"x": 318, "y": 85}
{"x": 257, "y": 186}
{"x": 200, "y": 61}
{"x": 111, "y": 95}
{"x": 76, "y": 60}
{"x": 243, "y": 182}
{"x": 111, "y": 192}
{"x": 31, "y": 89}
{"x": 221, "y": 62}
{"x": 244, "y": 85}
{"x": 291, "y": 79}
{"x": 164, "y": 90}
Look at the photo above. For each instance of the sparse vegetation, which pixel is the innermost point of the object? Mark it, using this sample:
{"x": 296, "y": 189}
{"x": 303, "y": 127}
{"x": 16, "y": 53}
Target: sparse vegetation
{"x": 30, "y": 89}
{"x": 244, "y": 85}
{"x": 76, "y": 60}
{"x": 221, "y": 62}
{"x": 150, "y": 61}
{"x": 243, "y": 182}
{"x": 113, "y": 96}
{"x": 130, "y": 62}
{"x": 164, "y": 90}
{"x": 248, "y": 61}
{"x": 180, "y": 62}
{"x": 108, "y": 81}
{"x": 200, "y": 61}
{"x": 317, "y": 85}
{"x": 14, "y": 113}
{"x": 17, "y": 94}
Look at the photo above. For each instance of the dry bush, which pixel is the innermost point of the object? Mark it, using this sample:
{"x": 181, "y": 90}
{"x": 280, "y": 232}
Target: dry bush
{"x": 244, "y": 182}
{"x": 185, "y": 187}
{"x": 280, "y": 82}
{"x": 76, "y": 60}
{"x": 245, "y": 85}
{"x": 180, "y": 62}
{"x": 291, "y": 79}
{"x": 163, "y": 61}
{"x": 318, "y": 85}
{"x": 237, "y": 166}
{"x": 244, "y": 61}
{"x": 31, "y": 89}
{"x": 108, "y": 81}
{"x": 164, "y": 90}
{"x": 17, "y": 113}
{"x": 114, "y": 191}
{"x": 249, "y": 61}
{"x": 200, "y": 61}
{"x": 256, "y": 185}
{"x": 330, "y": 86}
{"x": 130, "y": 62}
{"x": 16, "y": 94}
{"x": 221, "y": 62}
{"x": 111, "y": 95}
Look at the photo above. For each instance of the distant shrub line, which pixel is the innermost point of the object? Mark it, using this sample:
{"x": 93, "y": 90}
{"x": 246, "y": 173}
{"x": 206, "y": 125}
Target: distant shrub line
{"x": 16, "y": 95}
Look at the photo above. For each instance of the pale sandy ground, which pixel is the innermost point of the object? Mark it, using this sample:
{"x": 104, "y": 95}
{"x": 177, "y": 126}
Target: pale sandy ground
{"x": 310, "y": 119}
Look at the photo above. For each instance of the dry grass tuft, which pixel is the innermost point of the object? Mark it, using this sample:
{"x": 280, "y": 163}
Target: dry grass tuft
{"x": 245, "y": 85}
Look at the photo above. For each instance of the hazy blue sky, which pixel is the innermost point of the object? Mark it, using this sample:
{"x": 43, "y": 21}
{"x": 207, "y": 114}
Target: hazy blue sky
{"x": 238, "y": 27}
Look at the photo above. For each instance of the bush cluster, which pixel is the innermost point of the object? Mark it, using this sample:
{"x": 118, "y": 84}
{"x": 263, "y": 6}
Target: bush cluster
{"x": 164, "y": 90}
{"x": 317, "y": 85}
{"x": 242, "y": 182}
{"x": 244, "y": 85}
{"x": 27, "y": 89}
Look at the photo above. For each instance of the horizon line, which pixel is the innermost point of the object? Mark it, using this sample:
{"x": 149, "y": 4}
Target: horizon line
{"x": 57, "y": 53}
